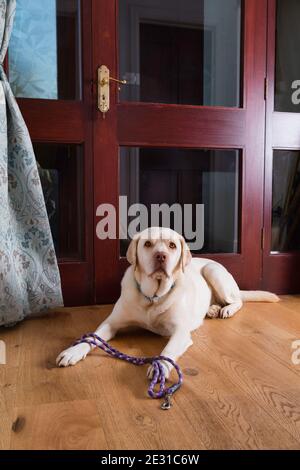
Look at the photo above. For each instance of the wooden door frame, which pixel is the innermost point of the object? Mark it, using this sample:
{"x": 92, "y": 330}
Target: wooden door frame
{"x": 183, "y": 127}
{"x": 280, "y": 271}
{"x": 70, "y": 122}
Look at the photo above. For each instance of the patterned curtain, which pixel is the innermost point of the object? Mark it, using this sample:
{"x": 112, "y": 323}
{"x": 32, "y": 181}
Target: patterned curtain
{"x": 29, "y": 276}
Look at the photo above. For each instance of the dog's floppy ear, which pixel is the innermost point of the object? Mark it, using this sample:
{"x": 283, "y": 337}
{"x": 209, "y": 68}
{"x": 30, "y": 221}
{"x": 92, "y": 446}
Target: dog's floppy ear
{"x": 131, "y": 254}
{"x": 186, "y": 256}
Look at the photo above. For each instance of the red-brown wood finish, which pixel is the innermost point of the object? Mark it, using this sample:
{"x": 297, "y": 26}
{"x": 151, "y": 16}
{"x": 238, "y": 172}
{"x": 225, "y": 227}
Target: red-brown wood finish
{"x": 155, "y": 125}
{"x": 71, "y": 122}
{"x": 167, "y": 125}
{"x": 55, "y": 121}
{"x": 281, "y": 271}
{"x": 106, "y": 166}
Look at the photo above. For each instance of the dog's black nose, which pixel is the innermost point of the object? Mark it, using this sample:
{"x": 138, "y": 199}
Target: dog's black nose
{"x": 160, "y": 257}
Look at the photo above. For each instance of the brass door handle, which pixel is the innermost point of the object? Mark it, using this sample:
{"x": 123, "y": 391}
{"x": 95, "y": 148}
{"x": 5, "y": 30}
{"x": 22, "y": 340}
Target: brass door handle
{"x": 104, "y": 80}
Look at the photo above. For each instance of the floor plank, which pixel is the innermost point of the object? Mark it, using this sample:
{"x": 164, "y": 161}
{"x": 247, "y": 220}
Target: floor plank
{"x": 59, "y": 426}
{"x": 241, "y": 389}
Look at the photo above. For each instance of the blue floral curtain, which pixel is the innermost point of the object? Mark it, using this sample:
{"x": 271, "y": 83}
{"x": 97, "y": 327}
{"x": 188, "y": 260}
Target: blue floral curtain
{"x": 29, "y": 276}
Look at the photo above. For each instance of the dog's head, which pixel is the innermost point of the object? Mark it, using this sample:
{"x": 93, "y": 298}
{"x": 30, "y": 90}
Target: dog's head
{"x": 159, "y": 253}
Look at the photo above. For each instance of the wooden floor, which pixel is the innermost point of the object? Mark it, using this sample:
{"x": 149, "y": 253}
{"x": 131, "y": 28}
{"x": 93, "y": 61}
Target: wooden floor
{"x": 241, "y": 389}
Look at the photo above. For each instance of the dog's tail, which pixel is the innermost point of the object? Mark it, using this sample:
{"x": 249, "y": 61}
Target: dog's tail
{"x": 258, "y": 296}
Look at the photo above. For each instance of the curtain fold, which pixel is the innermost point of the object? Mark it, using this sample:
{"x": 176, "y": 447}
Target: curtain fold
{"x": 29, "y": 275}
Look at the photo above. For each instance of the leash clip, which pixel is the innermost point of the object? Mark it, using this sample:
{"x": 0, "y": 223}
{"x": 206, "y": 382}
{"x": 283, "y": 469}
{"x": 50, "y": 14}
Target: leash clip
{"x": 167, "y": 404}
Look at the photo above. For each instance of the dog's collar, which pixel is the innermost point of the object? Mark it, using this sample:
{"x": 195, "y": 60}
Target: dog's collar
{"x": 155, "y": 297}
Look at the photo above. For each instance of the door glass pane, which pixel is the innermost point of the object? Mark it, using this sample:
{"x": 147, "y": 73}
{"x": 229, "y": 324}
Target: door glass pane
{"x": 287, "y": 77}
{"x": 61, "y": 173}
{"x": 286, "y": 201}
{"x": 44, "y": 51}
{"x": 182, "y": 176}
{"x": 185, "y": 52}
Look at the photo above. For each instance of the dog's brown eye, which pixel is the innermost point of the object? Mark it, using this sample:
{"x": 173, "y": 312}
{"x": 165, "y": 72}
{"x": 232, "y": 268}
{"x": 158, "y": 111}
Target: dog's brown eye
{"x": 148, "y": 244}
{"x": 172, "y": 245}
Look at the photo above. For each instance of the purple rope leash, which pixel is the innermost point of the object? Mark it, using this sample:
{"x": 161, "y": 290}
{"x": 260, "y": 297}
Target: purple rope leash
{"x": 158, "y": 375}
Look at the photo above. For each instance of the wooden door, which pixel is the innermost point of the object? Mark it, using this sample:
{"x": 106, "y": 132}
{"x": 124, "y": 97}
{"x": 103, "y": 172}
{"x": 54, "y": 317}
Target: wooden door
{"x": 189, "y": 127}
{"x": 179, "y": 143}
{"x": 282, "y": 172}
{"x": 50, "y": 70}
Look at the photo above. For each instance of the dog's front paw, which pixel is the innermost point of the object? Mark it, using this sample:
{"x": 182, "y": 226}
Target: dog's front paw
{"x": 72, "y": 355}
{"x": 166, "y": 368}
{"x": 214, "y": 311}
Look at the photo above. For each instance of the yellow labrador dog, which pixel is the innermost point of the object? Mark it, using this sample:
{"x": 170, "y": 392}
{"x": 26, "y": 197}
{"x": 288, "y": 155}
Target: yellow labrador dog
{"x": 169, "y": 293}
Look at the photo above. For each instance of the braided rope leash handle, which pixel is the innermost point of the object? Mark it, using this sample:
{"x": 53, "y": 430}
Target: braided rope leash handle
{"x": 158, "y": 370}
